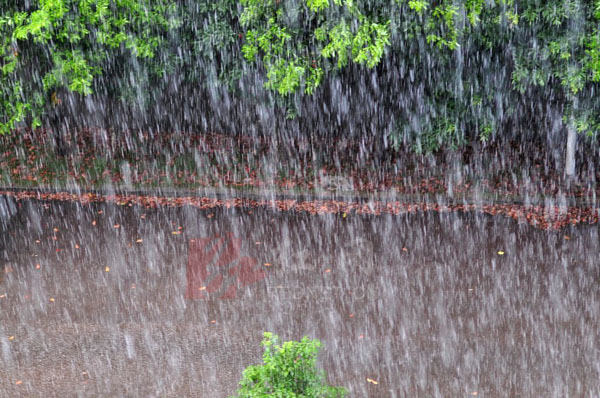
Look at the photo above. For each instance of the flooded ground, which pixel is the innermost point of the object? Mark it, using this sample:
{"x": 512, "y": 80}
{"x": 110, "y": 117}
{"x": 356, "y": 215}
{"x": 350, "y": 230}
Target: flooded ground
{"x": 102, "y": 300}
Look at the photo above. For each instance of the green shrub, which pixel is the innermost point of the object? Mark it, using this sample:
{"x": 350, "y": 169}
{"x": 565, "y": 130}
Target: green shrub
{"x": 288, "y": 371}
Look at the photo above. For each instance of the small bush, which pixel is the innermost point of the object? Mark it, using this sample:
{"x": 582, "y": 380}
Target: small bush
{"x": 288, "y": 371}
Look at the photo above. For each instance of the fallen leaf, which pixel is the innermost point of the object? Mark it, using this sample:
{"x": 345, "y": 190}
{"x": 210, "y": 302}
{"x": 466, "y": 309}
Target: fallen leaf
{"x": 267, "y": 264}
{"x": 138, "y": 241}
{"x": 372, "y": 381}
{"x": 55, "y": 229}
{"x": 2, "y": 295}
{"x": 11, "y": 337}
{"x": 474, "y": 393}
{"x": 106, "y": 269}
{"x": 176, "y": 232}
{"x": 37, "y": 266}
{"x": 213, "y": 321}
{"x": 116, "y": 226}
{"x": 351, "y": 315}
{"x": 202, "y": 288}
{"x": 567, "y": 237}
{"x": 76, "y": 246}
{"x": 500, "y": 252}
{"x": 19, "y": 382}
{"x": 404, "y": 249}
{"x": 94, "y": 222}
{"x": 51, "y": 299}
{"x": 327, "y": 271}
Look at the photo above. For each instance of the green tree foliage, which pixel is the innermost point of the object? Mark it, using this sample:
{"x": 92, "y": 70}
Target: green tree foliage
{"x": 473, "y": 63}
{"x": 559, "y": 47}
{"x": 209, "y": 34}
{"x": 293, "y": 56}
{"x": 65, "y": 43}
{"x": 548, "y": 48}
{"x": 289, "y": 370}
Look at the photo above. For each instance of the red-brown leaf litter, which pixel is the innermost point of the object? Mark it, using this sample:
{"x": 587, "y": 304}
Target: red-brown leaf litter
{"x": 543, "y": 217}
{"x": 188, "y": 162}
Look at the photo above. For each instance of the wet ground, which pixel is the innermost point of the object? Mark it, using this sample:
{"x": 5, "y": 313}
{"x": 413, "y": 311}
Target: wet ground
{"x": 103, "y": 300}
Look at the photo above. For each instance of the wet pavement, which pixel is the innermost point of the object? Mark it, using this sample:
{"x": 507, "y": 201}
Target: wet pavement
{"x": 103, "y": 300}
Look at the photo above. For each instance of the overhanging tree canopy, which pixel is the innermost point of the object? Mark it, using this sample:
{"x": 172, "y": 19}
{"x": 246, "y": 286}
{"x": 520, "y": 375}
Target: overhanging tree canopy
{"x": 472, "y": 64}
